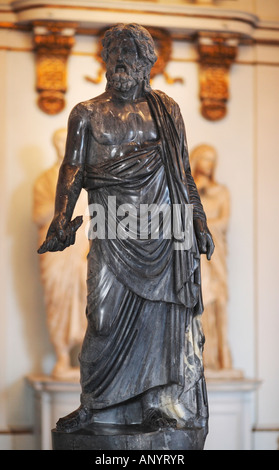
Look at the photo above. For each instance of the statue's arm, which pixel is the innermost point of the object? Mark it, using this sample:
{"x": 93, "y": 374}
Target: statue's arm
{"x": 62, "y": 230}
{"x": 203, "y": 235}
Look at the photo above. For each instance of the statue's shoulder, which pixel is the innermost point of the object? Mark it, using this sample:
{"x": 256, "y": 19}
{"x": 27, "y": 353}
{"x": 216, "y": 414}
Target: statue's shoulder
{"x": 224, "y": 190}
{"x": 170, "y": 104}
{"x": 86, "y": 108}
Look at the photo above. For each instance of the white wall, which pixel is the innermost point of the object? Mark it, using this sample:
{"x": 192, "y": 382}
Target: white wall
{"x": 3, "y": 314}
{"x": 267, "y": 248}
{"x": 247, "y": 144}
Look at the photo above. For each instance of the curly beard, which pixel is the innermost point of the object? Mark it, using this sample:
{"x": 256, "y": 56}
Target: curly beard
{"x": 124, "y": 80}
{"x": 121, "y": 81}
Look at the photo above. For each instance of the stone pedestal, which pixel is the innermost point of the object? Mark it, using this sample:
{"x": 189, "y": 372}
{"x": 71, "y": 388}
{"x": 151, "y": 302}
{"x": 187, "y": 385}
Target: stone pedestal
{"x": 231, "y": 413}
{"x": 52, "y": 399}
{"x": 231, "y": 405}
{"x": 133, "y": 437}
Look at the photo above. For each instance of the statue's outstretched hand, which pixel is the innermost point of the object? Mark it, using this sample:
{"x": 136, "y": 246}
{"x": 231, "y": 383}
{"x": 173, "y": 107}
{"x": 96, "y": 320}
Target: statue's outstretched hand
{"x": 204, "y": 238}
{"x": 59, "y": 237}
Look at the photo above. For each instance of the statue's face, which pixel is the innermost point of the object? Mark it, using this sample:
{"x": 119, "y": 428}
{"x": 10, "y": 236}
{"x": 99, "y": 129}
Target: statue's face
{"x": 124, "y": 70}
{"x": 206, "y": 163}
{"x": 122, "y": 54}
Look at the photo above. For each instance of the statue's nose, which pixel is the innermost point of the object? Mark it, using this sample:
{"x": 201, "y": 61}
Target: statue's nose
{"x": 121, "y": 54}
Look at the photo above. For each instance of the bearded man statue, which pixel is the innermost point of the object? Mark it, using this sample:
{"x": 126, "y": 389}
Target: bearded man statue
{"x": 141, "y": 359}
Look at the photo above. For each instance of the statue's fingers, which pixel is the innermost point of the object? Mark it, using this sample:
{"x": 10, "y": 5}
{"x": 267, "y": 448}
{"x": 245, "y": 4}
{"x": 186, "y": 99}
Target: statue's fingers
{"x": 72, "y": 238}
{"x": 54, "y": 245}
{"x": 71, "y": 235}
{"x": 50, "y": 244}
{"x": 42, "y": 249}
{"x": 46, "y": 246}
{"x": 202, "y": 243}
{"x": 67, "y": 241}
{"x": 55, "y": 248}
{"x": 62, "y": 235}
{"x": 76, "y": 223}
{"x": 210, "y": 247}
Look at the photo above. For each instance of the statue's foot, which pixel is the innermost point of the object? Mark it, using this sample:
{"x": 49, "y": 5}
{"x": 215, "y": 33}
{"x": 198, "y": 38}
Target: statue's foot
{"x": 155, "y": 418}
{"x": 78, "y": 419}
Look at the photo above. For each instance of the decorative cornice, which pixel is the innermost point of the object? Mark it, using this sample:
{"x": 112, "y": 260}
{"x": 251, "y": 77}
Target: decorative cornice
{"x": 217, "y": 53}
{"x": 216, "y": 32}
{"x": 178, "y": 19}
{"x": 52, "y": 43}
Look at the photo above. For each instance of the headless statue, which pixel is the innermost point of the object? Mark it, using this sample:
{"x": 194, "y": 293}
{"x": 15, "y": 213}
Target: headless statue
{"x": 216, "y": 202}
{"x": 65, "y": 301}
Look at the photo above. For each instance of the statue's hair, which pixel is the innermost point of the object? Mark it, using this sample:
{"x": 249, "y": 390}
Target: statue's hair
{"x": 143, "y": 40}
{"x": 198, "y": 153}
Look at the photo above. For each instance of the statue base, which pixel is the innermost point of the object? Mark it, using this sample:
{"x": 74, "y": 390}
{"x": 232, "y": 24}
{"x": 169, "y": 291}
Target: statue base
{"x": 99, "y": 436}
{"x": 223, "y": 374}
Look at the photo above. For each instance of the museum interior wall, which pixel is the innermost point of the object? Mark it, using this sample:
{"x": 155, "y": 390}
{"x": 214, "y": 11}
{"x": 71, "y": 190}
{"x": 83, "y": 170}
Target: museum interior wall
{"x": 246, "y": 141}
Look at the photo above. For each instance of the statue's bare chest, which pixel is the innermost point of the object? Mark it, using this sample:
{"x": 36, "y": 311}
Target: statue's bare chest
{"x": 117, "y": 125}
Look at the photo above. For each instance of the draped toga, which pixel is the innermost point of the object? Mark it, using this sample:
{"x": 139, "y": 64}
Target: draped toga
{"x": 144, "y": 295}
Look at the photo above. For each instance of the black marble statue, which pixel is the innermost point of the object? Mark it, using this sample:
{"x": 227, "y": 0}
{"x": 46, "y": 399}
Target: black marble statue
{"x": 141, "y": 359}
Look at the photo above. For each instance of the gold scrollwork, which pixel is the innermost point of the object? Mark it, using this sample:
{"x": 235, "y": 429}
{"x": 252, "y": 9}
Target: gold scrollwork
{"x": 163, "y": 46}
{"x": 216, "y": 53}
{"x": 53, "y": 42}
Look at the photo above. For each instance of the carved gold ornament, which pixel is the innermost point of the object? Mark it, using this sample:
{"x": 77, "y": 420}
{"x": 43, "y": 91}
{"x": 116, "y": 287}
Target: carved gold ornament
{"x": 53, "y": 43}
{"x": 163, "y": 46}
{"x": 216, "y": 53}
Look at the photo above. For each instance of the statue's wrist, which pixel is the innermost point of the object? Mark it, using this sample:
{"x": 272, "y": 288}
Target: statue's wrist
{"x": 200, "y": 225}
{"x": 59, "y": 222}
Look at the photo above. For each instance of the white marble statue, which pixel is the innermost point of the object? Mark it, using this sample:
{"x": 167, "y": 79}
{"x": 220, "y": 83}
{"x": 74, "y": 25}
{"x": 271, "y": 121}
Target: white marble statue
{"x": 216, "y": 202}
{"x": 63, "y": 274}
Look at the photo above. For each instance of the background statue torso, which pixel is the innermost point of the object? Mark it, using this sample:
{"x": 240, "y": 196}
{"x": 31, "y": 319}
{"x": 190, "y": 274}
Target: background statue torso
{"x": 215, "y": 198}
{"x": 63, "y": 274}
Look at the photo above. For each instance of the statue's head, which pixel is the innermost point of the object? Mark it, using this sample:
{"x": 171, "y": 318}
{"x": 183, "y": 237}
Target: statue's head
{"x": 59, "y": 141}
{"x": 129, "y": 54}
{"x": 203, "y": 160}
